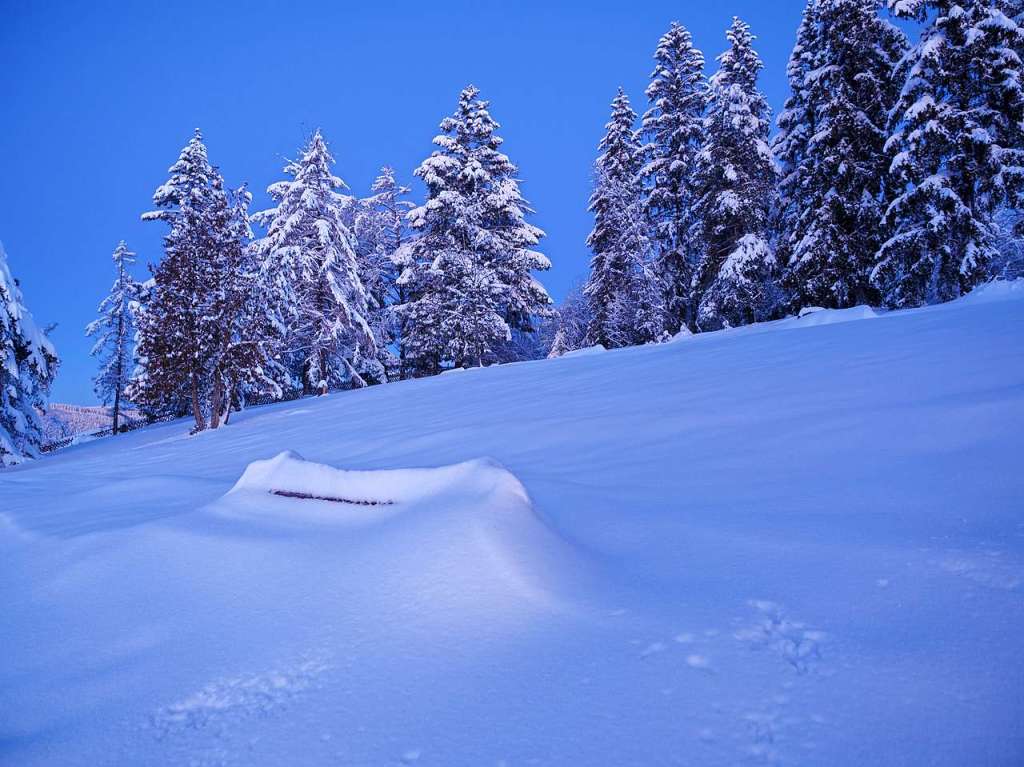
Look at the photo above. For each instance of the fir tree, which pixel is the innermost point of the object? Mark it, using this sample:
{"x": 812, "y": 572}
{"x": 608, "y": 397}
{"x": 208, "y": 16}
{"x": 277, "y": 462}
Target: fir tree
{"x": 673, "y": 126}
{"x": 956, "y": 147}
{"x": 626, "y": 307}
{"x": 832, "y": 150}
{"x": 380, "y": 233}
{"x": 191, "y": 174}
{"x": 735, "y": 186}
{"x": 174, "y": 345}
{"x": 311, "y": 273}
{"x": 115, "y": 331}
{"x": 796, "y": 124}
{"x": 573, "y": 320}
{"x": 469, "y": 268}
{"x": 241, "y": 358}
{"x": 28, "y": 364}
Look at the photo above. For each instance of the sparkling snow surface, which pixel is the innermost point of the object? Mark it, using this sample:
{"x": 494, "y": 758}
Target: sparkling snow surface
{"x": 800, "y": 543}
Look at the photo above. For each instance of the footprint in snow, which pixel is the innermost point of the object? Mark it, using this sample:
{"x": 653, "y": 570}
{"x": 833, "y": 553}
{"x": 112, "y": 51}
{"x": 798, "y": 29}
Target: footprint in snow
{"x": 794, "y": 642}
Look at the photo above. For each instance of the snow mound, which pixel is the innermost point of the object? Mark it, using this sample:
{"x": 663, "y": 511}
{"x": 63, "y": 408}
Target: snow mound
{"x": 466, "y": 533}
{"x": 813, "y": 316}
{"x": 997, "y": 290}
{"x": 587, "y": 351}
{"x": 682, "y": 335}
{"x": 288, "y": 474}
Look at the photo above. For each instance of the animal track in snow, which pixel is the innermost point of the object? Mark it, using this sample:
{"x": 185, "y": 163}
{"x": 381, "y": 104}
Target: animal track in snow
{"x": 793, "y": 641}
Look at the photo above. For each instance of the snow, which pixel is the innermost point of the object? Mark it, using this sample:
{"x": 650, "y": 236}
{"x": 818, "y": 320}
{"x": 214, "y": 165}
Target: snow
{"x": 755, "y": 546}
{"x": 587, "y": 351}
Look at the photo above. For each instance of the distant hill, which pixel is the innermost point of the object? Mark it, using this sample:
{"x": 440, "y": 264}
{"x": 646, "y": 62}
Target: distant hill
{"x": 62, "y": 420}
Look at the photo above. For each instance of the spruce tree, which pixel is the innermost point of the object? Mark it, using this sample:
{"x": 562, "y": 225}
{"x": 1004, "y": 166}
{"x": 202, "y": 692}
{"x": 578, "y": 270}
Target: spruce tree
{"x": 735, "y": 188}
{"x": 380, "y": 233}
{"x": 115, "y": 331}
{"x": 573, "y": 320}
{"x": 28, "y": 364}
{"x": 311, "y": 273}
{"x": 174, "y": 345}
{"x": 673, "y": 126}
{"x": 795, "y": 128}
{"x": 832, "y": 150}
{"x": 468, "y": 270}
{"x": 191, "y": 174}
{"x": 626, "y": 306}
{"x": 242, "y": 358}
{"x": 956, "y": 149}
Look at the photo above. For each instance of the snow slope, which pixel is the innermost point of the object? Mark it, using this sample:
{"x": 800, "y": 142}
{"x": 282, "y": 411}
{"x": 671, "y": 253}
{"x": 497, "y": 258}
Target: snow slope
{"x": 800, "y": 543}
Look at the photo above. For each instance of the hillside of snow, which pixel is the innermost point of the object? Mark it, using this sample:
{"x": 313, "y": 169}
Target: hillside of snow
{"x": 797, "y": 543}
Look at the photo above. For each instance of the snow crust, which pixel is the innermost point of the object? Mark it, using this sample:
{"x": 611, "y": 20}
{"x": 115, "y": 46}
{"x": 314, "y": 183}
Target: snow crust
{"x": 749, "y": 547}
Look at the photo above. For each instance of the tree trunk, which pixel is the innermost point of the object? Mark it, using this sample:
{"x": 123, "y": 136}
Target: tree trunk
{"x": 228, "y": 405}
{"x": 120, "y": 364}
{"x": 197, "y": 410}
{"x": 215, "y": 401}
{"x": 117, "y": 409}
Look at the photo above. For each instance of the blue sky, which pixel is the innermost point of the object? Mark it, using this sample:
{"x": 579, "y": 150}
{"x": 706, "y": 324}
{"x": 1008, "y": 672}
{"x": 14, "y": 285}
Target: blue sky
{"x": 98, "y": 98}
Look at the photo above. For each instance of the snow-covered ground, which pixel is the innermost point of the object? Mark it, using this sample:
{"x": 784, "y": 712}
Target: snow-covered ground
{"x": 800, "y": 543}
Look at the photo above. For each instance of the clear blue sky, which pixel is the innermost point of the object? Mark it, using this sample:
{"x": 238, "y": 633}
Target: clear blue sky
{"x": 98, "y": 98}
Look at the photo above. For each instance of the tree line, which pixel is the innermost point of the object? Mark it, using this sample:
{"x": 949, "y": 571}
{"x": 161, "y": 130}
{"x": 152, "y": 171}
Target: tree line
{"x": 338, "y": 292}
{"x": 894, "y": 177}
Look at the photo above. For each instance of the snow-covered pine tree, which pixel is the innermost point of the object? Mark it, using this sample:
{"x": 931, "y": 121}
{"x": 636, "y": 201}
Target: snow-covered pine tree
{"x": 796, "y": 126}
{"x": 28, "y": 364}
{"x": 310, "y": 273}
{"x": 831, "y": 148}
{"x": 189, "y": 175}
{"x": 1009, "y": 243}
{"x": 956, "y": 147}
{"x": 507, "y": 246}
{"x": 241, "y": 359}
{"x": 735, "y": 187}
{"x": 673, "y": 127}
{"x": 573, "y": 320}
{"x": 173, "y": 343}
{"x": 469, "y": 268}
{"x": 626, "y": 305}
{"x": 115, "y": 334}
{"x": 380, "y": 233}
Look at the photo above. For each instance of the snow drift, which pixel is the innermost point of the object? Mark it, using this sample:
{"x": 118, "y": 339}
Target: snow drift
{"x": 463, "y": 535}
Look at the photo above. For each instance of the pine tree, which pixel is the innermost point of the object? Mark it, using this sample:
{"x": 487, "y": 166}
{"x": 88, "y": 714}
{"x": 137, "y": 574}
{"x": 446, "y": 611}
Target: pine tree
{"x": 832, "y": 150}
{"x": 735, "y": 186}
{"x": 796, "y": 124}
{"x": 380, "y": 233}
{"x": 468, "y": 272}
{"x": 626, "y": 306}
{"x": 1010, "y": 245}
{"x": 28, "y": 364}
{"x": 191, "y": 174}
{"x": 174, "y": 345}
{"x": 241, "y": 358}
{"x": 956, "y": 147}
{"x": 115, "y": 331}
{"x": 673, "y": 126}
{"x": 573, "y": 321}
{"x": 311, "y": 273}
